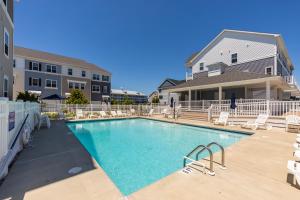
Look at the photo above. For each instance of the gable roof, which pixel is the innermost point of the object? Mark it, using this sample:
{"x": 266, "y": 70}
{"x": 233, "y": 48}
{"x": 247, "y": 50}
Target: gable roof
{"x": 228, "y": 76}
{"x": 173, "y": 82}
{"x": 277, "y": 37}
{"x": 126, "y": 92}
{"x": 57, "y": 59}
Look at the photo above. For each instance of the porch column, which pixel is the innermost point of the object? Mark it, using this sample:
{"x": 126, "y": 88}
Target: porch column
{"x": 246, "y": 92}
{"x": 220, "y": 94}
{"x": 190, "y": 98}
{"x": 168, "y": 99}
{"x": 268, "y": 90}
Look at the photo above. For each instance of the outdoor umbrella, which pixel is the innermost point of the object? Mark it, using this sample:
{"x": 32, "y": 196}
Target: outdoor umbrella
{"x": 54, "y": 97}
{"x": 172, "y": 102}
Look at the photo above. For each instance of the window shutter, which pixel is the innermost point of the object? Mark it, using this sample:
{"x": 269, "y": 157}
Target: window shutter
{"x": 40, "y": 81}
{"x": 40, "y": 66}
{"x": 30, "y": 81}
{"x": 30, "y": 65}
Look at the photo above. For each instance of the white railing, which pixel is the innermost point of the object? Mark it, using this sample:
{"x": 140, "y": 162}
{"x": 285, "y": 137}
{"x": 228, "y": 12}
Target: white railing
{"x": 91, "y": 108}
{"x": 278, "y": 109}
{"x": 12, "y": 115}
{"x": 203, "y": 105}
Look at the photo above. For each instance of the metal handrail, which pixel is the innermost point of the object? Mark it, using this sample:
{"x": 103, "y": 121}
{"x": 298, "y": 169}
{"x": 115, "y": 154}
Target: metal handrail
{"x": 222, "y": 150}
{"x": 203, "y": 148}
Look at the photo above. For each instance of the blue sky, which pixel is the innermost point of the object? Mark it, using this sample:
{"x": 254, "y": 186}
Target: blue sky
{"x": 143, "y": 42}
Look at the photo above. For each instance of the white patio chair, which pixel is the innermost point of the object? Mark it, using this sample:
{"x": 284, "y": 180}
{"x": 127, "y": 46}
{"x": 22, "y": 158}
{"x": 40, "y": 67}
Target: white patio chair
{"x": 297, "y": 154}
{"x": 294, "y": 168}
{"x": 120, "y": 113}
{"x": 292, "y": 122}
{"x": 132, "y": 111}
{"x": 296, "y": 146}
{"x": 44, "y": 121}
{"x": 103, "y": 114}
{"x": 150, "y": 112}
{"x": 260, "y": 122}
{"x": 166, "y": 112}
{"x": 79, "y": 114}
{"x": 113, "y": 113}
{"x": 223, "y": 118}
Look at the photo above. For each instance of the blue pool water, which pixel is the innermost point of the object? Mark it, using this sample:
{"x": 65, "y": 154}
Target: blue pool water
{"x": 137, "y": 152}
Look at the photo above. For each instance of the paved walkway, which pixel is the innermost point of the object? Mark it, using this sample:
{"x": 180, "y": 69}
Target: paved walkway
{"x": 256, "y": 169}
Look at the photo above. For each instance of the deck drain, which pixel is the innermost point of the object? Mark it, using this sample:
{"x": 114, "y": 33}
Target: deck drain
{"x": 75, "y": 170}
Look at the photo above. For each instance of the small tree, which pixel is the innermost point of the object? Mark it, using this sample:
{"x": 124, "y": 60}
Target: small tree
{"x": 127, "y": 101}
{"x": 155, "y": 99}
{"x": 26, "y": 96}
{"x": 77, "y": 97}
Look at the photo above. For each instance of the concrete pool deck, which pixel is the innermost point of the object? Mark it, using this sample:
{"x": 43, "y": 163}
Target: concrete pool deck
{"x": 256, "y": 169}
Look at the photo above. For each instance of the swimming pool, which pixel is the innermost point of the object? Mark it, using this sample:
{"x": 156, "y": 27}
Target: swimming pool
{"x": 137, "y": 152}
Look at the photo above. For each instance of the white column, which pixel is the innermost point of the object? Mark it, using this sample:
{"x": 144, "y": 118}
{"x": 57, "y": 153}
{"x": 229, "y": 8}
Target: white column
{"x": 220, "y": 94}
{"x": 190, "y": 98}
{"x": 246, "y": 92}
{"x": 268, "y": 90}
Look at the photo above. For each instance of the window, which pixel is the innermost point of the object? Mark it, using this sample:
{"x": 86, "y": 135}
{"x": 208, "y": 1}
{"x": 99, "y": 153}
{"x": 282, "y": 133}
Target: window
{"x": 201, "y": 67}
{"x": 5, "y": 87}
{"x": 83, "y": 73}
{"x": 82, "y": 86}
{"x": 14, "y": 63}
{"x": 76, "y": 85}
{"x": 35, "y": 81}
{"x": 70, "y": 85}
{"x": 104, "y": 89}
{"x": 105, "y": 78}
{"x": 234, "y": 58}
{"x": 96, "y": 88}
{"x": 6, "y": 42}
{"x": 51, "y": 83}
{"x": 51, "y": 68}
{"x": 70, "y": 72}
{"x": 269, "y": 70}
{"x": 35, "y": 66}
{"x": 96, "y": 77}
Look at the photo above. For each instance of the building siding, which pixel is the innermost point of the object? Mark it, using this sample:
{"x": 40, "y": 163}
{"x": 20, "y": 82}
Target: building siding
{"x": 248, "y": 46}
{"x": 65, "y": 86}
{"x": 98, "y": 96}
{"x": 6, "y": 64}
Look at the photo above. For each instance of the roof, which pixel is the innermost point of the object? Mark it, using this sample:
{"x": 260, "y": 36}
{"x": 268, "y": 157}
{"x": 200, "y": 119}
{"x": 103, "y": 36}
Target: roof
{"x": 277, "y": 37}
{"x": 57, "y": 59}
{"x": 173, "y": 82}
{"x": 126, "y": 92}
{"x": 228, "y": 76}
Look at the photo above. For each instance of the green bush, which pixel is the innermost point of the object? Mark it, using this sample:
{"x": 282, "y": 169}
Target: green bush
{"x": 52, "y": 115}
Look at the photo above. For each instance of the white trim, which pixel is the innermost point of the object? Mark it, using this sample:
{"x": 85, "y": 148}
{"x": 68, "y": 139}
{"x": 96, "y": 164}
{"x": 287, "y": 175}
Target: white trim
{"x": 4, "y": 33}
{"x": 75, "y": 81}
{"x": 5, "y": 78}
{"x": 35, "y": 92}
{"x": 46, "y": 87}
{"x": 96, "y": 91}
{"x": 271, "y": 70}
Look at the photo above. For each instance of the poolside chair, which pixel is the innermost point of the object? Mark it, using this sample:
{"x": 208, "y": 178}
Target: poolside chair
{"x": 297, "y": 154}
{"x": 166, "y": 112}
{"x": 103, "y": 114}
{"x": 296, "y": 146}
{"x": 260, "y": 122}
{"x": 132, "y": 112}
{"x": 150, "y": 112}
{"x": 292, "y": 122}
{"x": 43, "y": 121}
{"x": 298, "y": 140}
{"x": 120, "y": 113}
{"x": 294, "y": 168}
{"x": 113, "y": 113}
{"x": 92, "y": 115}
{"x": 223, "y": 118}
{"x": 79, "y": 114}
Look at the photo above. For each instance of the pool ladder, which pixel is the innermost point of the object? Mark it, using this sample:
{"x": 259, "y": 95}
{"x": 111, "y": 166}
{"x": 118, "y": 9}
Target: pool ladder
{"x": 202, "y": 148}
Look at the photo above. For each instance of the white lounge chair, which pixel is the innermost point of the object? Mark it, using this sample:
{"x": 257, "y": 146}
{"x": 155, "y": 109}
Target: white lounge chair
{"x": 93, "y": 115}
{"x": 298, "y": 140}
{"x": 292, "y": 122}
{"x": 297, "y": 154}
{"x": 103, "y": 114}
{"x": 43, "y": 121}
{"x": 113, "y": 113}
{"x": 166, "y": 112}
{"x": 260, "y": 122}
{"x": 150, "y": 112}
{"x": 79, "y": 114}
{"x": 223, "y": 118}
{"x": 294, "y": 168}
{"x": 120, "y": 113}
{"x": 132, "y": 112}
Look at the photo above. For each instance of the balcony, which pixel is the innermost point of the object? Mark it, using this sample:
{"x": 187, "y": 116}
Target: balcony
{"x": 291, "y": 81}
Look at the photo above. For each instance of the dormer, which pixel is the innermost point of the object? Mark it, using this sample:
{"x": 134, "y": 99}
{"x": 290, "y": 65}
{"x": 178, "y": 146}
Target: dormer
{"x": 216, "y": 69}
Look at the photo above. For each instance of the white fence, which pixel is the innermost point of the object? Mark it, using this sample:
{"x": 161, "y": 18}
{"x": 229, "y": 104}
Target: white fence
{"x": 12, "y": 115}
{"x": 89, "y": 108}
{"x": 278, "y": 109}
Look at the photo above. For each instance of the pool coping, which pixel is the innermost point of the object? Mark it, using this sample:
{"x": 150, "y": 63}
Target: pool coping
{"x": 153, "y": 119}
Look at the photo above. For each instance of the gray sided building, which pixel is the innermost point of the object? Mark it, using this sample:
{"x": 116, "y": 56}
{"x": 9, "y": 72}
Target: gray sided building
{"x": 46, "y": 74}
{"x": 6, "y": 48}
